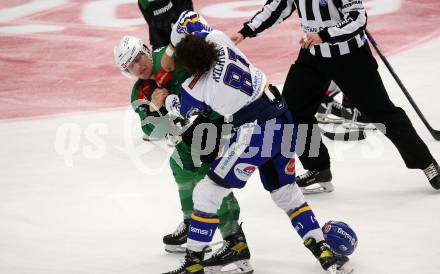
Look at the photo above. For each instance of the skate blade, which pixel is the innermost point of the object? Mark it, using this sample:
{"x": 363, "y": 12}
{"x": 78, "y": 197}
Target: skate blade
{"x": 318, "y": 188}
{"x": 344, "y": 269}
{"x": 181, "y": 249}
{"x": 175, "y": 248}
{"x": 238, "y": 267}
{"x": 329, "y": 119}
{"x": 359, "y": 125}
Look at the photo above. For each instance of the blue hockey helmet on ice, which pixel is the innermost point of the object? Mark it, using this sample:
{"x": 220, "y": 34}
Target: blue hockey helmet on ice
{"x": 340, "y": 237}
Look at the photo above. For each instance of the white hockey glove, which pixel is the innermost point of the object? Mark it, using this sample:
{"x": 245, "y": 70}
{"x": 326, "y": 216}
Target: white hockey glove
{"x": 172, "y": 104}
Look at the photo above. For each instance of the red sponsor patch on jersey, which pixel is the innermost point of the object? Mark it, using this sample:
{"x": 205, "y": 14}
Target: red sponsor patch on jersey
{"x": 145, "y": 91}
{"x": 163, "y": 78}
{"x": 195, "y": 80}
{"x": 290, "y": 167}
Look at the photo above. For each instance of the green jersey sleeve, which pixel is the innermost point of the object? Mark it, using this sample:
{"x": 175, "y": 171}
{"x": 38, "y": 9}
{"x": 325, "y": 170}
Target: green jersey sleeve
{"x": 158, "y": 124}
{"x": 155, "y": 125}
{"x": 178, "y": 75}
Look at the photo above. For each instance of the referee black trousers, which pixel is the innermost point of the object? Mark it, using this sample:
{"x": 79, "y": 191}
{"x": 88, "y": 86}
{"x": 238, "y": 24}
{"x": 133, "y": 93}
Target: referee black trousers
{"x": 357, "y": 76}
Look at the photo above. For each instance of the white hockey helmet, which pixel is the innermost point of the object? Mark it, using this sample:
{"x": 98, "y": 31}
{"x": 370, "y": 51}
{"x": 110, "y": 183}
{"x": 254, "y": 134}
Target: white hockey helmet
{"x": 127, "y": 50}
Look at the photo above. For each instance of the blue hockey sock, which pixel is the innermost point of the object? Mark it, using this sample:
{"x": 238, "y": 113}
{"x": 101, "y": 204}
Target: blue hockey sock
{"x": 303, "y": 220}
{"x": 201, "y": 230}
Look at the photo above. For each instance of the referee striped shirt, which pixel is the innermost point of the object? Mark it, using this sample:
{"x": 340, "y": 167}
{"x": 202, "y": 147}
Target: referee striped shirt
{"x": 340, "y": 23}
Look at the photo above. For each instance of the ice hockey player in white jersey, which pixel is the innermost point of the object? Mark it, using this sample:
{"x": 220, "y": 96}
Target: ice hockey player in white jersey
{"x": 226, "y": 82}
{"x": 229, "y": 85}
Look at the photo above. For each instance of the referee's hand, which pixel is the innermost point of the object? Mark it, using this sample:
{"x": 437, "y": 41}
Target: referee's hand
{"x": 309, "y": 40}
{"x": 237, "y": 38}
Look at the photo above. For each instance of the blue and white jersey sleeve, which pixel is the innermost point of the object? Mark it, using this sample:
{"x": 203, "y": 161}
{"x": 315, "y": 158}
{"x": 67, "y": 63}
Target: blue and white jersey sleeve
{"x": 191, "y": 105}
{"x": 189, "y": 22}
{"x": 231, "y": 83}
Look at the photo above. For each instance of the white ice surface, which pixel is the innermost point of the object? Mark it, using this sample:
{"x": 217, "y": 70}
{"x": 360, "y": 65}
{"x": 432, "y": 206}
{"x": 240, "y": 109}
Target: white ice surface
{"x": 105, "y": 215}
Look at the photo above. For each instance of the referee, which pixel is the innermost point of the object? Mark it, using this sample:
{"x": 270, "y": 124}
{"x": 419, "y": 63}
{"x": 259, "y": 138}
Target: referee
{"x": 334, "y": 47}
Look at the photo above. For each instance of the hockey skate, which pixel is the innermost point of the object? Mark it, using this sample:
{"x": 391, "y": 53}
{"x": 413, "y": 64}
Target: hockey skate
{"x": 191, "y": 265}
{"x": 332, "y": 263}
{"x": 354, "y": 119}
{"x": 232, "y": 258}
{"x": 313, "y": 182}
{"x": 174, "y": 242}
{"x": 329, "y": 113}
{"x": 432, "y": 172}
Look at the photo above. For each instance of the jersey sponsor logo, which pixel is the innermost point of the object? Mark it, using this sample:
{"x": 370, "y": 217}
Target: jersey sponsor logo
{"x": 148, "y": 86}
{"x": 228, "y": 159}
{"x": 258, "y": 82}
{"x": 351, "y": 3}
{"x": 299, "y": 226}
{"x": 195, "y": 79}
{"x": 290, "y": 167}
{"x": 199, "y": 231}
{"x": 244, "y": 171}
{"x": 163, "y": 78}
{"x": 192, "y": 112}
{"x": 163, "y": 9}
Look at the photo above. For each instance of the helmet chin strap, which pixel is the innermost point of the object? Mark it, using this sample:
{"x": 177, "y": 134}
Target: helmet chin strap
{"x": 126, "y": 73}
{"x": 146, "y": 50}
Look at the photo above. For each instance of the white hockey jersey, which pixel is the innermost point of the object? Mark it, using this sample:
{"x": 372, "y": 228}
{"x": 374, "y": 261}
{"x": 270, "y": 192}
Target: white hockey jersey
{"x": 232, "y": 83}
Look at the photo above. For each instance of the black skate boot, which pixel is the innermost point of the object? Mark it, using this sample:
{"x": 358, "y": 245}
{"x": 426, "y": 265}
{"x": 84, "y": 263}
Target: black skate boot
{"x": 174, "y": 241}
{"x": 193, "y": 264}
{"x": 329, "y": 261}
{"x": 432, "y": 172}
{"x": 232, "y": 257}
{"x": 354, "y": 119}
{"x": 329, "y": 111}
{"x": 315, "y": 181}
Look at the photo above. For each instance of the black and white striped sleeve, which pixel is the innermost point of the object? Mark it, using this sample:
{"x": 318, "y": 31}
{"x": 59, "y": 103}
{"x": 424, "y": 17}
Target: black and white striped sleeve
{"x": 273, "y": 13}
{"x": 354, "y": 22}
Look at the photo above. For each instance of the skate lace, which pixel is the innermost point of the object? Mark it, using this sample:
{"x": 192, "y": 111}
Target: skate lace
{"x": 180, "y": 229}
{"x": 336, "y": 104}
{"x": 180, "y": 269}
{"x": 356, "y": 114}
{"x": 306, "y": 175}
{"x": 431, "y": 171}
{"x": 332, "y": 105}
{"x": 222, "y": 250}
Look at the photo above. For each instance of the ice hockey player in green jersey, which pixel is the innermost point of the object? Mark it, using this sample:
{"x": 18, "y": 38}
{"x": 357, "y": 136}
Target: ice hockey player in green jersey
{"x": 154, "y": 84}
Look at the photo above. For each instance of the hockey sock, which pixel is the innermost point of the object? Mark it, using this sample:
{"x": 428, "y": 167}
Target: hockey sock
{"x": 185, "y": 195}
{"x": 228, "y": 214}
{"x": 304, "y": 221}
{"x": 201, "y": 230}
